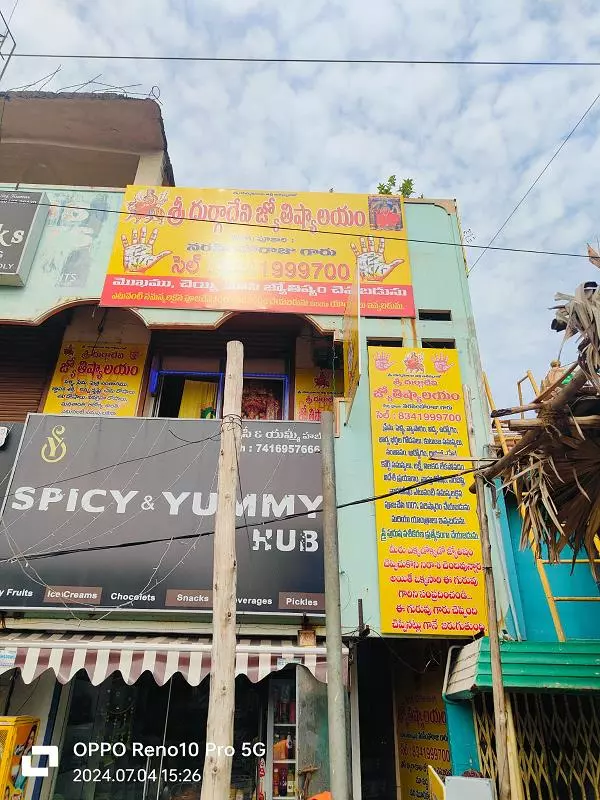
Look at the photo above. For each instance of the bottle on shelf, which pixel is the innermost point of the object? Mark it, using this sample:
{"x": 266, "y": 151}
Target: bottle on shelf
{"x": 290, "y": 747}
{"x": 283, "y": 781}
{"x": 275, "y": 781}
{"x": 293, "y": 712}
{"x": 291, "y": 783}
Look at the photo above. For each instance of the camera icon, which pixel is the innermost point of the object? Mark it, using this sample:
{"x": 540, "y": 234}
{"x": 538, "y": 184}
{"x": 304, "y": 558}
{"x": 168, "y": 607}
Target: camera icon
{"x": 40, "y": 750}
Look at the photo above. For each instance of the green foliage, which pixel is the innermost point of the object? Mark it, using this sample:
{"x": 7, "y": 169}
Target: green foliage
{"x": 406, "y": 188}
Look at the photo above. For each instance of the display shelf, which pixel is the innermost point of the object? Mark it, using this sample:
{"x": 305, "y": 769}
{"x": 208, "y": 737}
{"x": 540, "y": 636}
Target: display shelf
{"x": 282, "y": 740}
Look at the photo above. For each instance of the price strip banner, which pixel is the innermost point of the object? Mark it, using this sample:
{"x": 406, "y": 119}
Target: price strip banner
{"x": 429, "y": 549}
{"x": 259, "y": 251}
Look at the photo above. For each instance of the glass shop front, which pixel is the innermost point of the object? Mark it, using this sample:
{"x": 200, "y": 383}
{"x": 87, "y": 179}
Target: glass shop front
{"x": 153, "y": 738}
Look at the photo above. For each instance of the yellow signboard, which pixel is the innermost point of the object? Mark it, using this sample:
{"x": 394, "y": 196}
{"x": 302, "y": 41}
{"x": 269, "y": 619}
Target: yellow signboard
{"x": 422, "y": 732}
{"x": 100, "y": 379}
{"x": 429, "y": 548}
{"x": 235, "y": 250}
{"x": 351, "y": 333}
{"x": 437, "y": 790}
{"x": 18, "y": 735}
{"x": 313, "y": 393}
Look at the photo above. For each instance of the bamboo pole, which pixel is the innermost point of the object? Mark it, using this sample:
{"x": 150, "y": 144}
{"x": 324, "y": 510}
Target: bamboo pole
{"x": 216, "y": 778}
{"x": 529, "y": 440}
{"x": 492, "y": 615}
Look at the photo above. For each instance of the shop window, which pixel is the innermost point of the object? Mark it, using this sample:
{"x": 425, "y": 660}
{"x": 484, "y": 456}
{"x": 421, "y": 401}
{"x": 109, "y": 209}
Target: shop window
{"x": 432, "y": 315}
{"x": 187, "y": 395}
{"x": 174, "y": 715}
{"x": 439, "y": 344}
{"x": 198, "y": 395}
{"x": 385, "y": 343}
{"x": 265, "y": 397}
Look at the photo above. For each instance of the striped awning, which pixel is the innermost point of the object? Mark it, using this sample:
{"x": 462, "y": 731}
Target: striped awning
{"x": 163, "y": 657}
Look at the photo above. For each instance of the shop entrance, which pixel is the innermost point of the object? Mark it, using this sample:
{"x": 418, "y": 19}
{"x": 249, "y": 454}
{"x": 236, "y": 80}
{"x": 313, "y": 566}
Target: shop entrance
{"x": 173, "y": 716}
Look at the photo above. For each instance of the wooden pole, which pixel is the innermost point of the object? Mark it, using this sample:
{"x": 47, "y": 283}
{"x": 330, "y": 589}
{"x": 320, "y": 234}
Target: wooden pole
{"x": 336, "y": 692}
{"x": 216, "y": 778}
{"x": 492, "y": 615}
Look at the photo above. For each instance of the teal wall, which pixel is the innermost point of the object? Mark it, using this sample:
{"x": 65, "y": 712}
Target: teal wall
{"x": 580, "y": 619}
{"x": 79, "y": 241}
{"x": 439, "y": 281}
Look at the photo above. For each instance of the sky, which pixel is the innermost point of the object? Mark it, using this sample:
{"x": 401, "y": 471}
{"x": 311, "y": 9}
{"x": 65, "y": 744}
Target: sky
{"x": 480, "y": 134}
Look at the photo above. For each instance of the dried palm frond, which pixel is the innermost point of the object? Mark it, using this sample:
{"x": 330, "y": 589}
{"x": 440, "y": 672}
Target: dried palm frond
{"x": 558, "y": 491}
{"x": 580, "y": 313}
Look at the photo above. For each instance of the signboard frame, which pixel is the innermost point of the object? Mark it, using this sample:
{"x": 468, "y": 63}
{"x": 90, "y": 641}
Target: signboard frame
{"x": 279, "y": 252}
{"x": 291, "y": 577}
{"x": 33, "y": 227}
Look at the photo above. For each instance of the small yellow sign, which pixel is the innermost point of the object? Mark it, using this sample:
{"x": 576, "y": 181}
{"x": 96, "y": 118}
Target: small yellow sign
{"x": 429, "y": 547}
{"x": 313, "y": 393}
{"x": 99, "y": 379}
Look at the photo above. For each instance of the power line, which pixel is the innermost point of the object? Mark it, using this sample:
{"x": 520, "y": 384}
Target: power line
{"x": 272, "y": 228}
{"x": 214, "y": 437}
{"x": 265, "y": 60}
{"x": 533, "y": 185}
{"x": 187, "y": 536}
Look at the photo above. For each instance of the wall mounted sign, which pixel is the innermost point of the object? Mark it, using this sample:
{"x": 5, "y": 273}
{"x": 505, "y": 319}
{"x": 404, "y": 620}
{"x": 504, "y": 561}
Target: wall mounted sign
{"x": 80, "y": 482}
{"x": 100, "y": 379}
{"x": 429, "y": 548}
{"x": 234, "y": 250}
{"x": 22, "y": 219}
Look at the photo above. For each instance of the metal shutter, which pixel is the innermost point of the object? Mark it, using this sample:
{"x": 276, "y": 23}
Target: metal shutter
{"x": 27, "y": 358}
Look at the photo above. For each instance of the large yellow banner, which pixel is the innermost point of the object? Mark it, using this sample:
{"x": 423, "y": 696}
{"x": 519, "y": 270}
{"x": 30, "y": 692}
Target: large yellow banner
{"x": 100, "y": 379}
{"x": 228, "y": 249}
{"x": 429, "y": 548}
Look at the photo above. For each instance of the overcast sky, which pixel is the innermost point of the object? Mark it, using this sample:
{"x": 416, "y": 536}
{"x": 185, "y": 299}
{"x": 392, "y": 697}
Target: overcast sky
{"x": 479, "y": 134}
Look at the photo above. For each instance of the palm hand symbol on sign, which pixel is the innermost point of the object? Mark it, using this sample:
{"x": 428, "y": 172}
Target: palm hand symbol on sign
{"x": 139, "y": 256}
{"x": 370, "y": 260}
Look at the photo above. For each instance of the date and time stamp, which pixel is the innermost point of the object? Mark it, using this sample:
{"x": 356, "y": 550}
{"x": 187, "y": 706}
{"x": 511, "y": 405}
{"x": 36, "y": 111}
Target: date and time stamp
{"x": 115, "y": 751}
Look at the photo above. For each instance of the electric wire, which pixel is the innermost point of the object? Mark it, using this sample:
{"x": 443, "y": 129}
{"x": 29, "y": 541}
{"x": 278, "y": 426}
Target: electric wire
{"x": 182, "y": 537}
{"x": 527, "y": 251}
{"x": 358, "y": 61}
{"x": 535, "y": 182}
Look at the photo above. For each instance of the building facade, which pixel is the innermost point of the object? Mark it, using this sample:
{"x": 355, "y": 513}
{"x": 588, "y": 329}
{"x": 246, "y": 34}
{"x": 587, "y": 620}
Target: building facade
{"x": 109, "y": 405}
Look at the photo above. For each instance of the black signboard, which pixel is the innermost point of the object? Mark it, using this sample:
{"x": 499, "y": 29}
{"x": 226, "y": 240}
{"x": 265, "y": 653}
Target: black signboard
{"x": 84, "y": 485}
{"x": 22, "y": 218}
{"x": 10, "y": 436}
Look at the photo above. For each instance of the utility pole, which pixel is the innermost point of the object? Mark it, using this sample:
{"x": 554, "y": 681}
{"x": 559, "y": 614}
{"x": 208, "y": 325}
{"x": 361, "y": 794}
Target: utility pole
{"x": 500, "y": 716}
{"x": 336, "y": 692}
{"x": 216, "y": 777}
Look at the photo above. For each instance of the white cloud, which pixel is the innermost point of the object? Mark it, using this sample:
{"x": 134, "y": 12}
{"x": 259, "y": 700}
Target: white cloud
{"x": 480, "y": 134}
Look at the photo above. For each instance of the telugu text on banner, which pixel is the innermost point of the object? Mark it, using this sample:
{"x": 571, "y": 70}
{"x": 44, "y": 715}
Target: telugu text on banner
{"x": 313, "y": 393}
{"x": 422, "y": 729}
{"x": 429, "y": 548}
{"x": 259, "y": 251}
{"x": 99, "y": 379}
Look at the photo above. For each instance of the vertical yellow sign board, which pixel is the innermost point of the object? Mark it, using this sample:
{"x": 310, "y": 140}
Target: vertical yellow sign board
{"x": 429, "y": 548}
{"x": 104, "y": 380}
